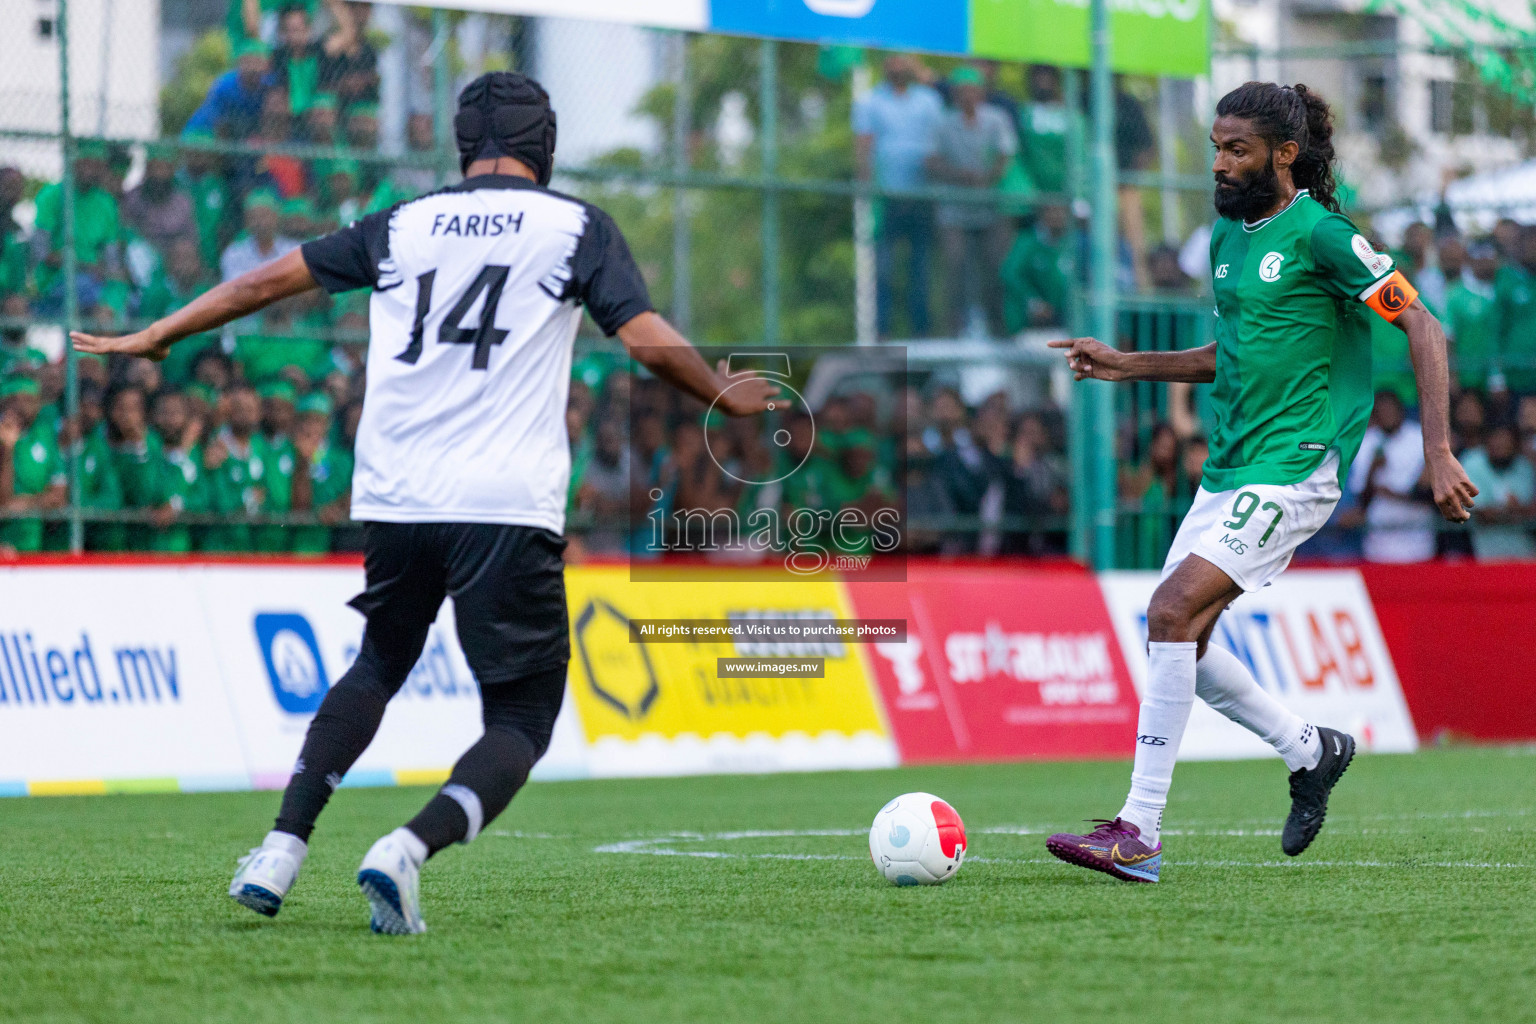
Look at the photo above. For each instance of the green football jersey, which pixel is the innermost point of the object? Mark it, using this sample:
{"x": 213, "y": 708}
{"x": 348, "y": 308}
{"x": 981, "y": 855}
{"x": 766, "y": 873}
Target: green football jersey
{"x": 180, "y": 485}
{"x": 278, "y": 463}
{"x": 236, "y": 485}
{"x": 1514, "y": 302}
{"x": 39, "y": 465}
{"x": 1293, "y": 345}
{"x": 97, "y": 226}
{"x": 1036, "y": 270}
{"x": 211, "y": 205}
{"x": 1471, "y": 321}
{"x": 330, "y": 475}
{"x": 101, "y": 489}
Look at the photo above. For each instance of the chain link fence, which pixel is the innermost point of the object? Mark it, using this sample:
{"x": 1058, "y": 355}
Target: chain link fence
{"x": 773, "y": 193}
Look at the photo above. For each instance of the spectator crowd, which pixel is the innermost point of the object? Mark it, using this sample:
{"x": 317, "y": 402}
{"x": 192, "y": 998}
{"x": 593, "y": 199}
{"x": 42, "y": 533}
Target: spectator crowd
{"x": 242, "y": 440}
{"x": 1003, "y": 255}
{"x": 254, "y": 423}
{"x": 987, "y": 480}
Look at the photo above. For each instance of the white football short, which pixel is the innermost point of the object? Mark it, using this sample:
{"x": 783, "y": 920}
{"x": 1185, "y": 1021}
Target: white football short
{"x": 1250, "y": 532}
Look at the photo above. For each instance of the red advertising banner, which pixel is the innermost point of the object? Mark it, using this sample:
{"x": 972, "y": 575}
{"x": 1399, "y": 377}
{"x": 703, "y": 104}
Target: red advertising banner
{"x": 1000, "y": 664}
{"x": 1463, "y": 636}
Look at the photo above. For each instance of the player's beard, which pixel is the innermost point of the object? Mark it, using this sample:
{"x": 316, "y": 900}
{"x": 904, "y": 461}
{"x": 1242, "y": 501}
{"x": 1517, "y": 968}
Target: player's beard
{"x": 1248, "y": 198}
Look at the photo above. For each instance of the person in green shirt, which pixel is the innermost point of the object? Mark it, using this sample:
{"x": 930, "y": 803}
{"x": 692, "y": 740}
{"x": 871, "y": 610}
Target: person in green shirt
{"x": 809, "y": 450}
{"x": 1514, "y": 301}
{"x": 322, "y": 475}
{"x": 179, "y": 485}
{"x": 340, "y": 201}
{"x": 14, "y": 260}
{"x": 136, "y": 455}
{"x": 235, "y": 468}
{"x": 285, "y": 338}
{"x": 181, "y": 279}
{"x": 349, "y": 326}
{"x": 1044, "y": 128}
{"x": 387, "y": 193}
{"x": 320, "y": 124}
{"x": 255, "y": 19}
{"x": 299, "y": 219}
{"x": 1469, "y": 316}
{"x": 32, "y": 473}
{"x": 277, "y": 415}
{"x": 212, "y": 199}
{"x": 14, "y": 257}
{"x": 1037, "y": 272}
{"x": 100, "y": 488}
{"x": 98, "y": 234}
{"x": 1294, "y": 282}
{"x": 296, "y": 59}
{"x": 362, "y": 131}
{"x": 853, "y": 481}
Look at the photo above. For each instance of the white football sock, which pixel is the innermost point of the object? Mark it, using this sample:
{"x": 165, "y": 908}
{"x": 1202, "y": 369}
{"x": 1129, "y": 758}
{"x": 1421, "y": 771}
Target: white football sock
{"x": 288, "y": 843}
{"x": 1159, "y": 729}
{"x": 415, "y": 846}
{"x": 1224, "y": 682}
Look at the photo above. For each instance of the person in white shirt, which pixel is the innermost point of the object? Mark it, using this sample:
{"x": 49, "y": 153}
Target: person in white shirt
{"x": 1387, "y": 475}
{"x": 260, "y": 242}
{"x": 462, "y": 462}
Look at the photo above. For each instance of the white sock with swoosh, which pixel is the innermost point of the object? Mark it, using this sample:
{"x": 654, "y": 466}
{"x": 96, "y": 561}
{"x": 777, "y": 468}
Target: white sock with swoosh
{"x": 1165, "y": 711}
{"x": 1224, "y": 682}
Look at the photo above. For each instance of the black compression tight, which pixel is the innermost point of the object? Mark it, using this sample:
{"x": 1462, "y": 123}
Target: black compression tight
{"x": 519, "y": 716}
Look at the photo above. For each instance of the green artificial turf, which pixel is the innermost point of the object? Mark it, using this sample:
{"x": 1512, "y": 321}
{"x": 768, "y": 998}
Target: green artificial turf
{"x": 1418, "y": 902}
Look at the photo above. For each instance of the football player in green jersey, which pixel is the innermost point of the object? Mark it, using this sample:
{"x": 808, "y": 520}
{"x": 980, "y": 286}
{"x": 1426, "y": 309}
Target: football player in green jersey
{"x": 1296, "y": 285}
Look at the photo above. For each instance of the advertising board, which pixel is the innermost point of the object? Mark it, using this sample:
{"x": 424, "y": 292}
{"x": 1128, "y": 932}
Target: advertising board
{"x": 1311, "y": 639}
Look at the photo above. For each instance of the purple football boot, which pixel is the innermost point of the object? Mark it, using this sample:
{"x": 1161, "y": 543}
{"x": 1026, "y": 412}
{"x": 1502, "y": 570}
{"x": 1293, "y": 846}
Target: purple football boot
{"x": 1115, "y": 848}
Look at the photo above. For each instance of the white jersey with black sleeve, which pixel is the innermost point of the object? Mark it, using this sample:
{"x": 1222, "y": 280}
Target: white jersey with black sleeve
{"x": 477, "y": 295}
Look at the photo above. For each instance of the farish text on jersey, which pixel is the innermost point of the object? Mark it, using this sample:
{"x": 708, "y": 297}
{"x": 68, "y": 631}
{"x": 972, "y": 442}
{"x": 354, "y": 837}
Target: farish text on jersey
{"x": 487, "y": 226}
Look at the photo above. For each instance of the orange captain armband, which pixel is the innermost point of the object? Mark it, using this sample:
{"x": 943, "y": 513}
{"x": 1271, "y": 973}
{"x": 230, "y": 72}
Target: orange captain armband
{"x": 1390, "y": 296}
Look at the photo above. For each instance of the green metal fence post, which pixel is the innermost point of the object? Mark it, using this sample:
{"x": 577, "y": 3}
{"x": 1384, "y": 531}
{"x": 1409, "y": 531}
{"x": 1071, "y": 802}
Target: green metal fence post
{"x": 682, "y": 253}
{"x": 442, "y": 96}
{"x": 1079, "y": 437}
{"x": 71, "y": 297}
{"x": 1102, "y": 275}
{"x": 768, "y": 104}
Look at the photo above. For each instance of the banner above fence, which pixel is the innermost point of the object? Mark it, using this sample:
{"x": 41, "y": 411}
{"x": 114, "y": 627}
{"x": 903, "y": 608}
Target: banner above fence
{"x": 1154, "y": 37}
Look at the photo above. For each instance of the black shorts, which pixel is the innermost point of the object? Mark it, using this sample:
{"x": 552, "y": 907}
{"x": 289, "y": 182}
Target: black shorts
{"x": 507, "y": 585}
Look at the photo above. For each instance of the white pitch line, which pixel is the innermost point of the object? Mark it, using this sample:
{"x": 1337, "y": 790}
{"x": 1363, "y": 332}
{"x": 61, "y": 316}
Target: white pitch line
{"x": 664, "y": 846}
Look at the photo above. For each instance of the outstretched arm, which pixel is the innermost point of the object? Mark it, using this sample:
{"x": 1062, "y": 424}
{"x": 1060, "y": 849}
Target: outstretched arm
{"x": 1426, "y": 346}
{"x": 656, "y": 345}
{"x": 271, "y": 282}
{"x": 1091, "y": 358}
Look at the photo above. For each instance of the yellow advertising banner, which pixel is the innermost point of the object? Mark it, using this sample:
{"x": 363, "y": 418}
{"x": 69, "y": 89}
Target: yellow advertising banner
{"x": 631, "y": 690}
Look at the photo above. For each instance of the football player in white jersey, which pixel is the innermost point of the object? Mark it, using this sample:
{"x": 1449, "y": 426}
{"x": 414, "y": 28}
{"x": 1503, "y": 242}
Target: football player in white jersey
{"x": 462, "y": 462}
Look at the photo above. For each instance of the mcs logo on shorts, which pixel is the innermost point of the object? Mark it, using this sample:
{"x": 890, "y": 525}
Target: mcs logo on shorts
{"x": 292, "y": 656}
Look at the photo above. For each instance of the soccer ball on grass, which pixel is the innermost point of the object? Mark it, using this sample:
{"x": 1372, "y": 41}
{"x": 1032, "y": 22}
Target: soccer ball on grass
{"x": 917, "y": 839}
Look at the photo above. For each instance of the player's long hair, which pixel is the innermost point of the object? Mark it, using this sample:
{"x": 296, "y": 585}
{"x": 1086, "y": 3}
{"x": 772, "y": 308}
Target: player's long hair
{"x": 1285, "y": 113}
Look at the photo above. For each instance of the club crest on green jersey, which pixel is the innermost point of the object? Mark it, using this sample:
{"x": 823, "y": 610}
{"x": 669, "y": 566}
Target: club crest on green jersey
{"x": 1269, "y": 267}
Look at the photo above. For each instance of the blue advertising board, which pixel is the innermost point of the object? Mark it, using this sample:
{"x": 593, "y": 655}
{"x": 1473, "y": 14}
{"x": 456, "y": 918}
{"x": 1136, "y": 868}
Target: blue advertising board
{"x": 940, "y": 26}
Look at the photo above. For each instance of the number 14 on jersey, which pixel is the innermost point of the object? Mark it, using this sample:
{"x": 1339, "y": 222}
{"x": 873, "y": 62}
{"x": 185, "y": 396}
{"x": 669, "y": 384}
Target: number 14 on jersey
{"x": 490, "y": 281}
